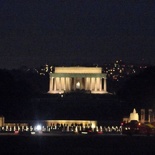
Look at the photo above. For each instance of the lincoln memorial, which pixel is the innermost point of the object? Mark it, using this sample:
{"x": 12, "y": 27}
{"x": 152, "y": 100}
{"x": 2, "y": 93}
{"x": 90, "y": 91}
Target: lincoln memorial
{"x": 70, "y": 79}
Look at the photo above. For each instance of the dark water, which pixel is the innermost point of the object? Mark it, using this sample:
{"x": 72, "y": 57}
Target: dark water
{"x": 86, "y": 144}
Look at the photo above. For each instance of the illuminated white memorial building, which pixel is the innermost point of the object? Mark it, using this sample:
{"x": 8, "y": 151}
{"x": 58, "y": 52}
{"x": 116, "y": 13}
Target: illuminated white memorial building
{"x": 68, "y": 79}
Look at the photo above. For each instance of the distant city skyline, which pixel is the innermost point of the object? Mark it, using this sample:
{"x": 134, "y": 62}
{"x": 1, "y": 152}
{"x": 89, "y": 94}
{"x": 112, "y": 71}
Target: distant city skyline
{"x": 76, "y": 32}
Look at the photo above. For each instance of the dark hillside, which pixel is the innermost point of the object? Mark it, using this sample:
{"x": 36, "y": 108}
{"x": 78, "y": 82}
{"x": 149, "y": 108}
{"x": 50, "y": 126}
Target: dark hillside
{"x": 139, "y": 90}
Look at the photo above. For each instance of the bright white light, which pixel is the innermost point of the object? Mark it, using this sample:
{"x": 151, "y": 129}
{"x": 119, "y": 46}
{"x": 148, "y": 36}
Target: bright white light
{"x": 38, "y": 127}
{"x": 78, "y": 85}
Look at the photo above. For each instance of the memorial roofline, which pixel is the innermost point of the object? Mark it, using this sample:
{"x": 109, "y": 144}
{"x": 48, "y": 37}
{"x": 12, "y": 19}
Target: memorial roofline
{"x": 97, "y": 75}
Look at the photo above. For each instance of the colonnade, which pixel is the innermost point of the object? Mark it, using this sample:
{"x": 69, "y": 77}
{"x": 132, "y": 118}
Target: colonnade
{"x": 67, "y": 84}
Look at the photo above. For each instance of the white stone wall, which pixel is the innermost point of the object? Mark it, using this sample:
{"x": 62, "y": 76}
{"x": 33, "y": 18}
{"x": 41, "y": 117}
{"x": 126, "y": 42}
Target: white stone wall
{"x": 78, "y": 70}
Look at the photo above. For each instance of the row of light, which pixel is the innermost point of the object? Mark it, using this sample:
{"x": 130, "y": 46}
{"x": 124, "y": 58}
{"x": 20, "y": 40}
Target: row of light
{"x": 69, "y": 128}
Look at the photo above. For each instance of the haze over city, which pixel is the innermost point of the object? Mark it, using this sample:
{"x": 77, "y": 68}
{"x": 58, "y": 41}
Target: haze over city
{"x": 33, "y": 33}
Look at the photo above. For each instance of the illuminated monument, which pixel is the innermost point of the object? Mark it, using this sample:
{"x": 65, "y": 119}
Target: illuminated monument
{"x": 69, "y": 79}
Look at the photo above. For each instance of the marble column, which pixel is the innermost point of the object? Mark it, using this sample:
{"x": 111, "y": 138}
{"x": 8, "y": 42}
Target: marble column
{"x": 105, "y": 84}
{"x": 60, "y": 84}
{"x": 74, "y": 83}
{"x": 54, "y": 84}
{"x": 100, "y": 84}
{"x": 81, "y": 83}
{"x": 86, "y": 84}
{"x": 51, "y": 84}
{"x": 66, "y": 88}
{"x": 50, "y": 88}
{"x": 64, "y": 83}
{"x": 70, "y": 81}
{"x": 67, "y": 83}
{"x": 91, "y": 84}
{"x": 95, "y": 84}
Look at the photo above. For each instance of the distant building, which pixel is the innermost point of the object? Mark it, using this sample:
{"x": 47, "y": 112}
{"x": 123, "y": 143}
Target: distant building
{"x": 33, "y": 123}
{"x": 135, "y": 116}
{"x": 69, "y": 79}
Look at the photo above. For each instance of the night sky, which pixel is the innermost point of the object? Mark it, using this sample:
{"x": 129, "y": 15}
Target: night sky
{"x": 76, "y": 32}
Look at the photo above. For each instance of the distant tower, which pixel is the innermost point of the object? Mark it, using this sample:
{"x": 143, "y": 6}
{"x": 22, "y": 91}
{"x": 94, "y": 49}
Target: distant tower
{"x": 142, "y": 115}
{"x": 134, "y": 115}
{"x": 150, "y": 115}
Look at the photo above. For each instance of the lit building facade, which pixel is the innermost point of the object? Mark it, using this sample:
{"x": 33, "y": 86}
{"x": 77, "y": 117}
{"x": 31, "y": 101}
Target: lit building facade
{"x": 68, "y": 79}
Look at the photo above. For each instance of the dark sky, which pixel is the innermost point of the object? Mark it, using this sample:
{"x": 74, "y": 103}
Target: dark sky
{"x": 67, "y": 32}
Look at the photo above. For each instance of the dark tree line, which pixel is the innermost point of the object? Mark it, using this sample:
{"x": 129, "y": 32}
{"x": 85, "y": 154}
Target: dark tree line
{"x": 16, "y": 83}
{"x": 139, "y": 90}
{"x": 17, "y": 87}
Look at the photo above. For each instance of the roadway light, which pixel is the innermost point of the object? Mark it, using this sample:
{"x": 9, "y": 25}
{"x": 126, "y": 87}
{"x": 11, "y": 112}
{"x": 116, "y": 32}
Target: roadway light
{"x": 38, "y": 127}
